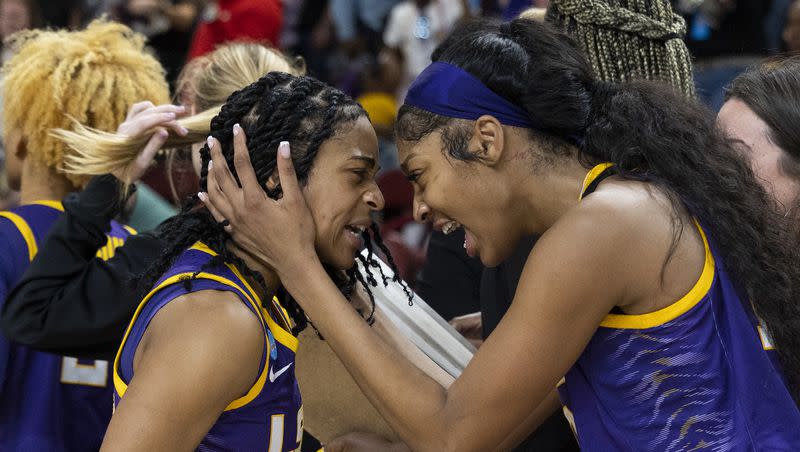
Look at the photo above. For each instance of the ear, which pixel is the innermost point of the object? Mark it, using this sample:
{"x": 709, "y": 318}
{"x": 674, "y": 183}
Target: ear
{"x": 21, "y": 151}
{"x": 487, "y": 140}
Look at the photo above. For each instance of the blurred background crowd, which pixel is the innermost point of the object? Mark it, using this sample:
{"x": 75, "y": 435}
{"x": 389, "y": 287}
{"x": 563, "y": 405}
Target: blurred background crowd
{"x": 372, "y": 50}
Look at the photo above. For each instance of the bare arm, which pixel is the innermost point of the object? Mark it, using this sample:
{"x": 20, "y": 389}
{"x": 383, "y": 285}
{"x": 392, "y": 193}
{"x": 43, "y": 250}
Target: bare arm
{"x": 207, "y": 340}
{"x": 545, "y": 330}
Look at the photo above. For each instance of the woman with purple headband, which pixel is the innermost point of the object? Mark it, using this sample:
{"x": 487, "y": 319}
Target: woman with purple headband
{"x": 657, "y": 306}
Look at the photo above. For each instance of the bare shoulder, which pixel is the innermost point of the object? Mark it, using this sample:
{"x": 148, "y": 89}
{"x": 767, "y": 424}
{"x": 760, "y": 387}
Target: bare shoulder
{"x": 206, "y": 330}
{"x": 630, "y": 233}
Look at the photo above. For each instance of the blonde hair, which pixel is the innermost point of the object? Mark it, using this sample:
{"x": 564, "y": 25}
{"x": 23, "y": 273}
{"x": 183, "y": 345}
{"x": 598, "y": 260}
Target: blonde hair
{"x": 93, "y": 76}
{"x": 205, "y": 83}
{"x": 629, "y": 39}
{"x": 537, "y": 14}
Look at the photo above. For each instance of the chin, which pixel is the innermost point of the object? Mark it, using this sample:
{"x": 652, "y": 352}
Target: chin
{"x": 340, "y": 261}
{"x": 493, "y": 257}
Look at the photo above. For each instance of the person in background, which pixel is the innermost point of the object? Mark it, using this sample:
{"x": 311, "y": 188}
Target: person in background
{"x": 47, "y": 401}
{"x": 223, "y": 21}
{"x": 359, "y": 23}
{"x": 791, "y": 31}
{"x": 379, "y": 82}
{"x": 762, "y": 112}
{"x": 415, "y": 28}
{"x": 725, "y": 37}
{"x": 16, "y": 15}
{"x": 168, "y": 25}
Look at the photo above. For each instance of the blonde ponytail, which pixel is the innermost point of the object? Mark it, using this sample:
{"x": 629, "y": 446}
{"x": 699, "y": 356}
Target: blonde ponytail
{"x": 211, "y": 81}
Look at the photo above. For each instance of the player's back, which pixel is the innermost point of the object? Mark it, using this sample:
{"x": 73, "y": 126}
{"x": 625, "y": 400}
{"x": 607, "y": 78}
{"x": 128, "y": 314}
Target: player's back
{"x": 47, "y": 402}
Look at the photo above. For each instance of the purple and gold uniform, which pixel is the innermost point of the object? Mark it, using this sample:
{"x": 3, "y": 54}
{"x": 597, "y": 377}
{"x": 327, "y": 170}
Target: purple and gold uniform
{"x": 270, "y": 416}
{"x": 47, "y": 402}
{"x": 695, "y": 375}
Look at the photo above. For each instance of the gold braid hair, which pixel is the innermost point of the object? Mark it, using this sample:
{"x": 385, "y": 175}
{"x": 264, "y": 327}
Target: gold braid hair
{"x": 629, "y": 39}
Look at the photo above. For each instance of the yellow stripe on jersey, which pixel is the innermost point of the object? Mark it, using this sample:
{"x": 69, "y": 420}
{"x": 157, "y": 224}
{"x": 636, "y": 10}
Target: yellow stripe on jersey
{"x": 110, "y": 248}
{"x": 675, "y": 310}
{"x": 49, "y": 203}
{"x": 280, "y": 332}
{"x": 592, "y": 175}
{"x": 121, "y": 386}
{"x": 25, "y": 230}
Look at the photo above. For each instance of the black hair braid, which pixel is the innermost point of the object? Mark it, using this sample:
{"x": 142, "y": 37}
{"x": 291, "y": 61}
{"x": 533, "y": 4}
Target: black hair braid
{"x": 278, "y": 107}
{"x": 396, "y": 277}
{"x": 356, "y": 275}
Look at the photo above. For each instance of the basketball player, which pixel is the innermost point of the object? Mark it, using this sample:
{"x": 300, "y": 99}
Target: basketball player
{"x": 653, "y": 304}
{"x": 51, "y": 402}
{"x": 212, "y": 317}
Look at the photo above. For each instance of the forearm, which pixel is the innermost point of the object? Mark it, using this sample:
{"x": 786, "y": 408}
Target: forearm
{"x": 68, "y": 301}
{"x": 409, "y": 400}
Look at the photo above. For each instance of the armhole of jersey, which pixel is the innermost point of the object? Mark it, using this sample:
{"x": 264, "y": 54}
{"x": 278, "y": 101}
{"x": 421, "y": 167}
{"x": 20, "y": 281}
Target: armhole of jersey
{"x": 24, "y": 230}
{"x": 121, "y": 387}
{"x": 674, "y": 310}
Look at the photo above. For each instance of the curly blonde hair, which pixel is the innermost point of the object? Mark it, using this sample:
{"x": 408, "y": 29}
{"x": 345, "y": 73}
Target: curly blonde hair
{"x": 92, "y": 76}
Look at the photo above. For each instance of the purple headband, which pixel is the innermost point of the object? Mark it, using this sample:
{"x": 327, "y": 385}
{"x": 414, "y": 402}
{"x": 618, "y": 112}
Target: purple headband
{"x": 450, "y": 91}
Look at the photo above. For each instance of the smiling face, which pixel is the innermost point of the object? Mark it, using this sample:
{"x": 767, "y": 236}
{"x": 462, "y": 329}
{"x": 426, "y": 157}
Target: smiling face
{"x": 341, "y": 191}
{"x": 450, "y": 193}
{"x": 741, "y": 123}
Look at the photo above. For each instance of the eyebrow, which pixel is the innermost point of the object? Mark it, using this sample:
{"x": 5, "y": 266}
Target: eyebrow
{"x": 404, "y": 164}
{"x": 368, "y": 160}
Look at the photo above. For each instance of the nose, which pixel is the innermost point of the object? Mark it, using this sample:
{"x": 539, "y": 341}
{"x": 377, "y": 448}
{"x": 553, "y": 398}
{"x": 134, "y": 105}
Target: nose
{"x": 422, "y": 213}
{"x": 374, "y": 199}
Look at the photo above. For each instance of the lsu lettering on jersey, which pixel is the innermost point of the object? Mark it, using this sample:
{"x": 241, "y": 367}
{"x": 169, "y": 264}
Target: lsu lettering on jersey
{"x": 48, "y": 402}
{"x": 270, "y": 416}
{"x": 695, "y": 375}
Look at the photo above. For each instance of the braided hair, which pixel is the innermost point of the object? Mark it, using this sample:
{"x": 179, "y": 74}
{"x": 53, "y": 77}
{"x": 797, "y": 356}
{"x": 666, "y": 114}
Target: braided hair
{"x": 628, "y": 39}
{"x": 275, "y": 108}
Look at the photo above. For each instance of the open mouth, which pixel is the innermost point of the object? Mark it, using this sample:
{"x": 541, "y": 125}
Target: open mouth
{"x": 356, "y": 229}
{"x": 450, "y": 227}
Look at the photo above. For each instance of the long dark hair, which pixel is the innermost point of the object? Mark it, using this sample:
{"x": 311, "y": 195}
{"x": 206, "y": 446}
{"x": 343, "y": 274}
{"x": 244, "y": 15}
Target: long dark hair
{"x": 652, "y": 133}
{"x": 278, "y": 107}
{"x": 772, "y": 91}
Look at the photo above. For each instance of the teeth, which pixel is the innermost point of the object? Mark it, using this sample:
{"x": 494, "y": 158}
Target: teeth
{"x": 450, "y": 227}
{"x": 359, "y": 229}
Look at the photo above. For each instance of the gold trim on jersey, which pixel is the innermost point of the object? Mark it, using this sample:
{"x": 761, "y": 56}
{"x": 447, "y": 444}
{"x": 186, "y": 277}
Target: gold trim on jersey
{"x": 280, "y": 332}
{"x": 105, "y": 252}
{"x": 49, "y": 203}
{"x": 25, "y": 230}
{"x": 121, "y": 387}
{"x": 675, "y": 310}
{"x": 592, "y": 175}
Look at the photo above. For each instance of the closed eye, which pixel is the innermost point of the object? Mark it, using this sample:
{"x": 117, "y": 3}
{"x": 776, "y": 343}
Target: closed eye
{"x": 361, "y": 175}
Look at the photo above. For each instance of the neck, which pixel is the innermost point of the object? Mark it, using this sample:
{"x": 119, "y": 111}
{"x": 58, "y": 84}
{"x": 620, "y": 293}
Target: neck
{"x": 42, "y": 183}
{"x": 269, "y": 275}
{"x": 551, "y": 195}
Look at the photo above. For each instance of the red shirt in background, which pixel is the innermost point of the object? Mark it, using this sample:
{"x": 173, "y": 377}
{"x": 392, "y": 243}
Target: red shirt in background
{"x": 237, "y": 20}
